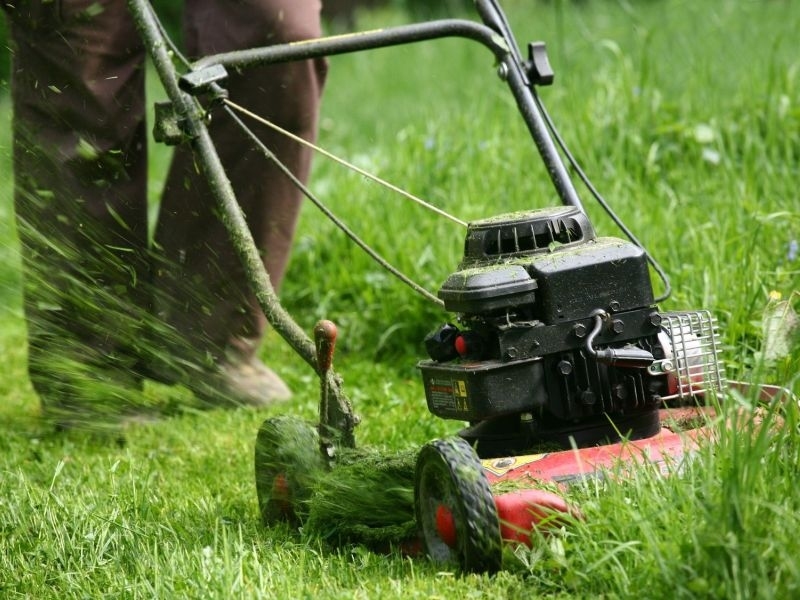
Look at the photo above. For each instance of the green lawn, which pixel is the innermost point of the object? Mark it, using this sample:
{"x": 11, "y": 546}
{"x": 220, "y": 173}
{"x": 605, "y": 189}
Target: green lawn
{"x": 687, "y": 117}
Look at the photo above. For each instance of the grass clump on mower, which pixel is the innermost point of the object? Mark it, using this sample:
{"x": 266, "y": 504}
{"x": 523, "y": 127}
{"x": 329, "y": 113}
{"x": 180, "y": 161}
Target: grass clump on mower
{"x": 368, "y": 498}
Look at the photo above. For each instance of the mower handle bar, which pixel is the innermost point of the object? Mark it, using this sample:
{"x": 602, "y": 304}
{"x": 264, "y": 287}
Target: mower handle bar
{"x": 494, "y": 35}
{"x": 341, "y": 420}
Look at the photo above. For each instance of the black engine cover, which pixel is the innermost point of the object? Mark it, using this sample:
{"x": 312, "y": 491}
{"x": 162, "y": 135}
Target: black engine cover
{"x": 527, "y": 294}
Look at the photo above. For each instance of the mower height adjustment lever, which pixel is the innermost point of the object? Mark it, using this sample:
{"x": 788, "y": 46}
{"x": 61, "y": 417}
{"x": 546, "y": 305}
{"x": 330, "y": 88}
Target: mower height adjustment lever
{"x": 537, "y": 67}
{"x": 325, "y": 342}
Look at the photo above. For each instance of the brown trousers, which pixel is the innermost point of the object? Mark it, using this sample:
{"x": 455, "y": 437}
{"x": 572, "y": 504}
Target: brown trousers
{"x": 93, "y": 281}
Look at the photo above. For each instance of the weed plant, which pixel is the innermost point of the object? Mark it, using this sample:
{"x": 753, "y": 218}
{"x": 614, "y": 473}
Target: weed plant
{"x": 685, "y": 115}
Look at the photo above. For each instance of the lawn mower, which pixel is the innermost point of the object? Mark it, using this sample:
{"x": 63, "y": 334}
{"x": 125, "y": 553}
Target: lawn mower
{"x": 556, "y": 356}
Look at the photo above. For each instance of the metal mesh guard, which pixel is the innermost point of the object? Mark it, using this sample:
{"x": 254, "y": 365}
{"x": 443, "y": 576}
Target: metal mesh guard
{"x": 694, "y": 362}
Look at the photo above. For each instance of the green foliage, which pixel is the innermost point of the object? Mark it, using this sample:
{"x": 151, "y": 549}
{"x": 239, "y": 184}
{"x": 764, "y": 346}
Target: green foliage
{"x": 679, "y": 112}
{"x": 713, "y": 531}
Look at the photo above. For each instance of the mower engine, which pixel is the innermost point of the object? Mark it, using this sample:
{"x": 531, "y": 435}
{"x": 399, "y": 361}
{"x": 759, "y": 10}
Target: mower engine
{"x": 559, "y": 340}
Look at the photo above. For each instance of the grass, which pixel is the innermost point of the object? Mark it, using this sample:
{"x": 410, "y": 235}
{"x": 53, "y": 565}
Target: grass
{"x": 685, "y": 114}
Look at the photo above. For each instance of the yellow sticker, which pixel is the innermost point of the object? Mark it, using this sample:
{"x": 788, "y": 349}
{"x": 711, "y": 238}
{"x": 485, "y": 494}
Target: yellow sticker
{"x": 501, "y": 466}
{"x": 461, "y": 388}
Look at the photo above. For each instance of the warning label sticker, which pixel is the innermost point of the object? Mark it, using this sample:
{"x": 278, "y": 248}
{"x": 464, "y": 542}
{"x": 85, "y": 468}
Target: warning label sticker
{"x": 501, "y": 466}
{"x": 448, "y": 394}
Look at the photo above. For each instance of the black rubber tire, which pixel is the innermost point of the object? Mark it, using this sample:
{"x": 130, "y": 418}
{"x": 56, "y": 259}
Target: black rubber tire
{"x": 287, "y": 464}
{"x": 449, "y": 474}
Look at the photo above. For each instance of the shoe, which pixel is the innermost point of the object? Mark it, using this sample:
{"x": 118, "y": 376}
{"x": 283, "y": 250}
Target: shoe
{"x": 242, "y": 383}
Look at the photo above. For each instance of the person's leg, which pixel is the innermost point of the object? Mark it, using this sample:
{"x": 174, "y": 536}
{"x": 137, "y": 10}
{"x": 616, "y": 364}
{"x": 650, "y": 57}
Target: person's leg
{"x": 217, "y": 313}
{"x": 80, "y": 168}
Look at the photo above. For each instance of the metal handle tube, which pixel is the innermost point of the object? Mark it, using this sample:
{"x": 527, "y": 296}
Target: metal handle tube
{"x": 360, "y": 41}
{"x": 493, "y": 16}
{"x": 221, "y": 189}
{"x": 544, "y": 143}
{"x": 339, "y": 419}
{"x": 498, "y": 42}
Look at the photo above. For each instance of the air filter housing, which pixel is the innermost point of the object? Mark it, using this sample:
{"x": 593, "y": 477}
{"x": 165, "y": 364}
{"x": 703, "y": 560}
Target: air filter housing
{"x": 549, "y": 261}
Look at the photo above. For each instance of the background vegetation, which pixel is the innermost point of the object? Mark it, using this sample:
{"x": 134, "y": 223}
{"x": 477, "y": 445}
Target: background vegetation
{"x": 686, "y": 116}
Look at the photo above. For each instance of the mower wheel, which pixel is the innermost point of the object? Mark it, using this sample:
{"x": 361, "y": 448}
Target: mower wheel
{"x": 287, "y": 464}
{"x": 455, "y": 507}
